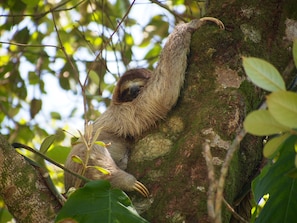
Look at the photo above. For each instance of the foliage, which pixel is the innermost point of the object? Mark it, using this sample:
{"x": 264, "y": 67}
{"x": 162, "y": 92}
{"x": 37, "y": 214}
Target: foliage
{"x": 277, "y": 181}
{"x": 54, "y": 52}
{"x": 97, "y": 202}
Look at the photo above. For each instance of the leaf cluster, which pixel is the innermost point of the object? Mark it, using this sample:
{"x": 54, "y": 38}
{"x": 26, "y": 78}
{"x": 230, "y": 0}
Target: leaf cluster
{"x": 278, "y": 121}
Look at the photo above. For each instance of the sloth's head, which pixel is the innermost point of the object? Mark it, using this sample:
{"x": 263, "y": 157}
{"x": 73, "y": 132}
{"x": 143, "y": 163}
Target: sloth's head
{"x": 130, "y": 85}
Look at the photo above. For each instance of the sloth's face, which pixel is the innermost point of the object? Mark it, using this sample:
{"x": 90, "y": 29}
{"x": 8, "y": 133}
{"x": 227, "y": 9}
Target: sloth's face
{"x": 130, "y": 89}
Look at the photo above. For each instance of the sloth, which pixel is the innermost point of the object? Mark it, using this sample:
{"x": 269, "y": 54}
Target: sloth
{"x": 141, "y": 98}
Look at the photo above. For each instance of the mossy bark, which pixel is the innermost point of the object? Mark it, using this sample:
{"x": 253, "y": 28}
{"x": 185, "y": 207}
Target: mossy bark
{"x": 213, "y": 104}
{"x": 23, "y": 188}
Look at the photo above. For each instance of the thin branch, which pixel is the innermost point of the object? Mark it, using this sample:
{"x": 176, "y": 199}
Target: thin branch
{"x": 224, "y": 170}
{"x": 30, "y": 45}
{"x": 169, "y": 10}
{"x": 235, "y": 214}
{"x": 76, "y": 74}
{"x": 109, "y": 39}
{"x": 216, "y": 188}
{"x": 19, "y": 145}
{"x": 212, "y": 182}
{"x": 40, "y": 15}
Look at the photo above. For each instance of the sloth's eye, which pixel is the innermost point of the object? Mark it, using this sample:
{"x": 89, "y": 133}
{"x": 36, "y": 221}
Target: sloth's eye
{"x": 130, "y": 93}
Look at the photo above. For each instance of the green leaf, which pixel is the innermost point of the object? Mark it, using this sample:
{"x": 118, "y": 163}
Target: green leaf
{"x": 22, "y": 36}
{"x": 262, "y": 123}
{"x": 295, "y": 52}
{"x": 282, "y": 189}
{"x": 35, "y": 107}
{"x": 47, "y": 142}
{"x": 263, "y": 74}
{"x": 101, "y": 169}
{"x": 31, "y": 3}
{"x": 56, "y": 115}
{"x": 100, "y": 143}
{"x": 293, "y": 172}
{"x": 77, "y": 159}
{"x": 5, "y": 216}
{"x": 94, "y": 77}
{"x": 129, "y": 39}
{"x": 273, "y": 145}
{"x": 97, "y": 202}
{"x": 283, "y": 107}
{"x": 33, "y": 78}
{"x": 58, "y": 153}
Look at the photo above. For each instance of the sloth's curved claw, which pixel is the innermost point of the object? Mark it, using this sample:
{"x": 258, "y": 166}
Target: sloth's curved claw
{"x": 139, "y": 187}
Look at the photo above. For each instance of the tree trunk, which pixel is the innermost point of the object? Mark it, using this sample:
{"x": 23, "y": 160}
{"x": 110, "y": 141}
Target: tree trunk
{"x": 23, "y": 188}
{"x": 216, "y": 98}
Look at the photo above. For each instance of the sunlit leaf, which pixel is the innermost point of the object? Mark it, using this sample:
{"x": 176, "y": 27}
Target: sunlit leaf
{"x": 178, "y": 2}
{"x": 129, "y": 40}
{"x": 283, "y": 107}
{"x": 153, "y": 53}
{"x": 100, "y": 143}
{"x": 262, "y": 123}
{"x": 273, "y": 145}
{"x": 58, "y": 153}
{"x": 31, "y": 3}
{"x": 263, "y": 74}
{"x": 100, "y": 169}
{"x": 5, "y": 215}
{"x": 56, "y": 115}
{"x": 94, "y": 77}
{"x": 68, "y": 48}
{"x": 77, "y": 159}
{"x": 25, "y": 133}
{"x": 47, "y": 142}
{"x": 4, "y": 60}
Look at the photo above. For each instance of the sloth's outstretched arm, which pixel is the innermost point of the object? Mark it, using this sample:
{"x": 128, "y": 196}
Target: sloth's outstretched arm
{"x": 161, "y": 91}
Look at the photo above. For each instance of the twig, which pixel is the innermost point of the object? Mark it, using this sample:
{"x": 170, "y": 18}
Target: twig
{"x": 108, "y": 41}
{"x": 212, "y": 181}
{"x": 235, "y": 214}
{"x": 216, "y": 188}
{"x": 29, "y": 45}
{"x": 76, "y": 74}
{"x": 169, "y": 10}
{"x": 40, "y": 15}
{"x": 224, "y": 170}
{"x": 19, "y": 145}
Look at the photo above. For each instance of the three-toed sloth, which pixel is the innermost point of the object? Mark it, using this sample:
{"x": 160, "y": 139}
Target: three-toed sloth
{"x": 141, "y": 98}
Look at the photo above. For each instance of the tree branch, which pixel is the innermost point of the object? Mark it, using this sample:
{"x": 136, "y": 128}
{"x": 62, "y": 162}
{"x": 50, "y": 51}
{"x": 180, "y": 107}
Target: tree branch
{"x": 23, "y": 188}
